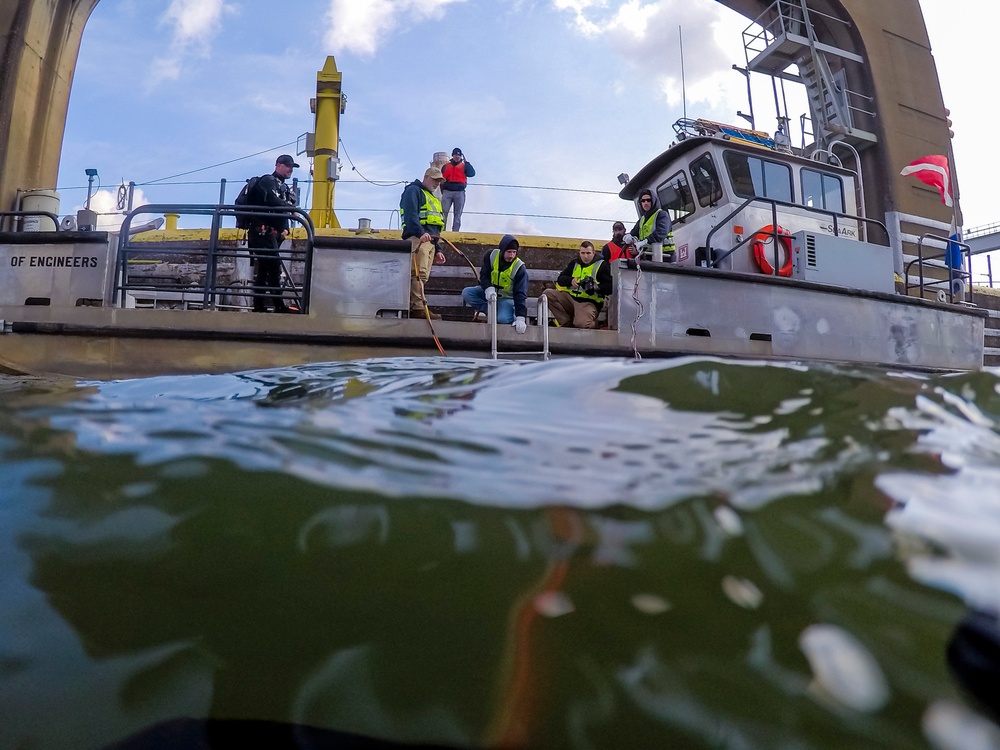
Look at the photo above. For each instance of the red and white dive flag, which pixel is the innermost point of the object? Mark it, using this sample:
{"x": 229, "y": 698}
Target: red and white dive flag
{"x": 932, "y": 170}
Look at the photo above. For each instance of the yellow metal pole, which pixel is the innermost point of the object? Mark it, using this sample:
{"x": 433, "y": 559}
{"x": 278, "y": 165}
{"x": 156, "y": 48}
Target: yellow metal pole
{"x": 327, "y": 108}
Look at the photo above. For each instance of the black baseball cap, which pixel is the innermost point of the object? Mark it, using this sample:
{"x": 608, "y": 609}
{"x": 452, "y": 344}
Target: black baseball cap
{"x": 287, "y": 160}
{"x": 456, "y": 152}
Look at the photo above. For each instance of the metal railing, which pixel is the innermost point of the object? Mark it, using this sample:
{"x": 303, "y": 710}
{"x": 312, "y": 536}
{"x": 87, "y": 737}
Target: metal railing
{"x": 210, "y": 291}
{"x": 6, "y": 216}
{"x": 781, "y": 18}
{"x": 836, "y": 217}
{"x": 958, "y": 282}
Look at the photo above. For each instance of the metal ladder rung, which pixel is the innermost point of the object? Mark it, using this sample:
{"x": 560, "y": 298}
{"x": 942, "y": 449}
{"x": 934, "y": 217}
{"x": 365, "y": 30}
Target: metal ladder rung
{"x": 542, "y": 315}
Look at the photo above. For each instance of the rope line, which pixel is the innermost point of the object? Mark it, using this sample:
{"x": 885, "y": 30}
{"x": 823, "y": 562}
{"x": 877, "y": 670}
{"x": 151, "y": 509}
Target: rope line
{"x": 220, "y": 164}
{"x": 639, "y": 308}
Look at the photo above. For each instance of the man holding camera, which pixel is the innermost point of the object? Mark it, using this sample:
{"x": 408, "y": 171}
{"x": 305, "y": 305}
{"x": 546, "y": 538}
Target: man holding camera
{"x": 580, "y": 290}
{"x": 456, "y": 176}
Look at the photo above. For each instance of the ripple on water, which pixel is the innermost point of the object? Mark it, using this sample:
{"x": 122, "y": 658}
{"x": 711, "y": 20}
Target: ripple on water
{"x": 470, "y": 552}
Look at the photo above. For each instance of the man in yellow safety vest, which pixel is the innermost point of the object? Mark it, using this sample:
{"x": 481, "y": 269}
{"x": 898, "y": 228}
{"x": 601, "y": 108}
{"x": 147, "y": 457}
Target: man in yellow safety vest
{"x": 422, "y": 220}
{"x": 580, "y": 289}
{"x": 652, "y": 228}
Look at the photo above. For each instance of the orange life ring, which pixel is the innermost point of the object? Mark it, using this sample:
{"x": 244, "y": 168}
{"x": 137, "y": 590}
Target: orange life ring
{"x": 760, "y": 253}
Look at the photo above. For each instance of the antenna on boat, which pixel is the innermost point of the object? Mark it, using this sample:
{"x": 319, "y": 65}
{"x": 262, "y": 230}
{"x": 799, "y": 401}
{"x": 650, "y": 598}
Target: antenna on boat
{"x": 748, "y": 117}
{"x": 680, "y": 36}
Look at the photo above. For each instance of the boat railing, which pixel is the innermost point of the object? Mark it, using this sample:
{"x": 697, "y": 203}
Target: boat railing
{"x": 224, "y": 281}
{"x": 834, "y": 216}
{"x": 956, "y": 257}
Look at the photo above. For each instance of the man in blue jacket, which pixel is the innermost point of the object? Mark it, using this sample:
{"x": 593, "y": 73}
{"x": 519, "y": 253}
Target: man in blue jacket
{"x": 422, "y": 221}
{"x": 503, "y": 278}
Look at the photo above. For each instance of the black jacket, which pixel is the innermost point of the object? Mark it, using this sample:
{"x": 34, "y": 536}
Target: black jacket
{"x": 272, "y": 191}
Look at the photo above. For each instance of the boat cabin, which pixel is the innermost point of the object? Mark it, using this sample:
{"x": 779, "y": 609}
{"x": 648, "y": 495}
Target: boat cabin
{"x": 741, "y": 202}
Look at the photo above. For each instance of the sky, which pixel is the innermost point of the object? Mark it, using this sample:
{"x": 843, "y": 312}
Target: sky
{"x": 550, "y": 100}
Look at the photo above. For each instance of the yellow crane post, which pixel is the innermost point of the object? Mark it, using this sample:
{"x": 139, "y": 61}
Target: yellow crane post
{"x": 327, "y": 107}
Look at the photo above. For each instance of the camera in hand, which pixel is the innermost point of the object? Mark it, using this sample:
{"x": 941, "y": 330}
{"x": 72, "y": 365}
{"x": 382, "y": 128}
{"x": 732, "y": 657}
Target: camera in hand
{"x": 587, "y": 284}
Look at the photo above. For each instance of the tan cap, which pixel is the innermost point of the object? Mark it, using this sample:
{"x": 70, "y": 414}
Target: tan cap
{"x": 434, "y": 173}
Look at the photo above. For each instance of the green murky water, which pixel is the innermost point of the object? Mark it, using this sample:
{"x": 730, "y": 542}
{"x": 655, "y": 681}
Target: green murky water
{"x": 580, "y": 553}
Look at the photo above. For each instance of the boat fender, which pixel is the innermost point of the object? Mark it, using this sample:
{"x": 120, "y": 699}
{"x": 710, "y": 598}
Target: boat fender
{"x": 760, "y": 253}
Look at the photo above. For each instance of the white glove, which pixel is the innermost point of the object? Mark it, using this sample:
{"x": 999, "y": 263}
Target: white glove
{"x": 641, "y": 244}
{"x": 628, "y": 239}
{"x": 491, "y": 293}
{"x": 520, "y": 325}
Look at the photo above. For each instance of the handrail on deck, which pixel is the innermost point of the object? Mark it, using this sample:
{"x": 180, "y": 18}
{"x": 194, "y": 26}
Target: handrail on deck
{"x": 211, "y": 290}
{"x": 954, "y": 273}
{"x": 774, "y": 203}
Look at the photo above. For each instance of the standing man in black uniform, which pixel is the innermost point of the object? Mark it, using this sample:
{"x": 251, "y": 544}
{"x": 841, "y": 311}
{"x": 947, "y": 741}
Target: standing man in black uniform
{"x": 266, "y": 234}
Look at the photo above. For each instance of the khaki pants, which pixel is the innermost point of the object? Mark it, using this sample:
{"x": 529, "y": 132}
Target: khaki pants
{"x": 420, "y": 271}
{"x": 570, "y": 312}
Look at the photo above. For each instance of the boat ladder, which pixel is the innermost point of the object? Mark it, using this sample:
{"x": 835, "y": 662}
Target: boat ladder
{"x": 543, "y": 322}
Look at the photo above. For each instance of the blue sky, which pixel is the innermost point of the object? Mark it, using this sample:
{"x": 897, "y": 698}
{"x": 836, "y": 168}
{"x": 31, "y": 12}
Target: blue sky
{"x": 544, "y": 93}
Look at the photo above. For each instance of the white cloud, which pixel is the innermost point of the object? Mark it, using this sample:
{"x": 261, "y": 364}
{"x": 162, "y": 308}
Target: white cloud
{"x": 647, "y": 35}
{"x": 267, "y": 103}
{"x": 579, "y": 9}
{"x": 361, "y": 25}
{"x": 195, "y": 24}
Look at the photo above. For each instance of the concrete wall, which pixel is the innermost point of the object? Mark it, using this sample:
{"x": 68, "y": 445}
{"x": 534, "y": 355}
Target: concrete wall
{"x": 39, "y": 45}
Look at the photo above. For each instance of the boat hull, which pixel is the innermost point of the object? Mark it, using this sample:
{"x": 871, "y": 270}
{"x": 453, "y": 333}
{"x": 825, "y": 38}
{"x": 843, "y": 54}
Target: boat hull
{"x": 684, "y": 311}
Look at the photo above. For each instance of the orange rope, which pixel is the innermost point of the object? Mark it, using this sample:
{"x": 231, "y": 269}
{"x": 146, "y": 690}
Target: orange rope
{"x": 511, "y": 726}
{"x": 475, "y": 272}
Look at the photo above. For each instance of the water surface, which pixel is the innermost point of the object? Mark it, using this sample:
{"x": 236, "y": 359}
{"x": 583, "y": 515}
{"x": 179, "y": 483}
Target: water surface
{"x": 463, "y": 553}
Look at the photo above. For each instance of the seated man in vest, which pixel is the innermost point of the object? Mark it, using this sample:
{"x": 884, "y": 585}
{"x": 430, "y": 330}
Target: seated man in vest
{"x": 422, "y": 221}
{"x": 652, "y": 228}
{"x": 580, "y": 290}
{"x": 503, "y": 278}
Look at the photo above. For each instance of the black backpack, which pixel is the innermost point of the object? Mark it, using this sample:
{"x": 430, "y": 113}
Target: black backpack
{"x": 249, "y": 196}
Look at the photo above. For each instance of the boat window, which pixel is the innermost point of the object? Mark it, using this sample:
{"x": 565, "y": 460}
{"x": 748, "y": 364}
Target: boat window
{"x": 706, "y": 181}
{"x": 675, "y": 196}
{"x": 822, "y": 190}
{"x": 753, "y": 177}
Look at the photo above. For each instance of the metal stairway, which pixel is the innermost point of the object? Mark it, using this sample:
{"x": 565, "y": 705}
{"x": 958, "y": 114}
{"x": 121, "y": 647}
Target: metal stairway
{"x": 784, "y": 35}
